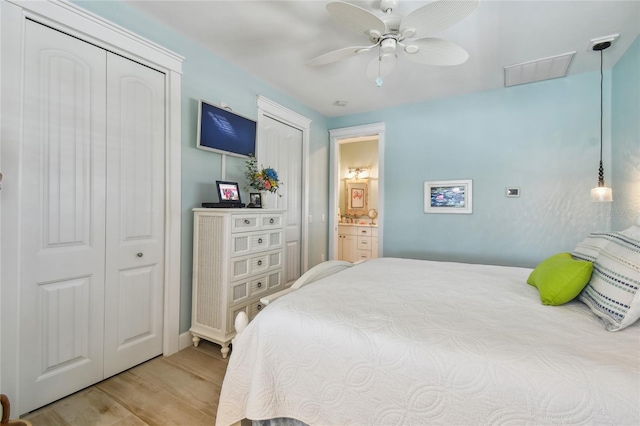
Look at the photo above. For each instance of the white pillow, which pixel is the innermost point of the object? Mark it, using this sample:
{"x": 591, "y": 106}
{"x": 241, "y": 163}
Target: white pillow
{"x": 612, "y": 292}
{"x": 633, "y": 232}
{"x": 589, "y": 249}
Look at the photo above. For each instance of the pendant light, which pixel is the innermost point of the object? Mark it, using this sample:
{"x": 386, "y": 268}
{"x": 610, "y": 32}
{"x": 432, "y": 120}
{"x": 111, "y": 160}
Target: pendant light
{"x": 601, "y": 193}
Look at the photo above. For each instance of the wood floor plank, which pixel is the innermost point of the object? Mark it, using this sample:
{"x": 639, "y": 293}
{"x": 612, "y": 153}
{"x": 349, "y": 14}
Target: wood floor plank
{"x": 87, "y": 407}
{"x": 200, "y": 363}
{"x": 203, "y": 394}
{"x": 151, "y": 403}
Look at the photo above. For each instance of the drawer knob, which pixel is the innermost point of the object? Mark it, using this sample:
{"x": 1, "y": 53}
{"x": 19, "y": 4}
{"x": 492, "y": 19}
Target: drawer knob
{"x": 364, "y": 231}
{"x": 271, "y": 220}
{"x": 140, "y": 254}
{"x": 259, "y": 240}
{"x": 247, "y": 221}
{"x": 259, "y": 285}
{"x": 259, "y": 262}
{"x": 259, "y": 307}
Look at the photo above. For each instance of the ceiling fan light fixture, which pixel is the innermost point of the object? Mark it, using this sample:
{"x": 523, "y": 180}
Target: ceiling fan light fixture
{"x": 388, "y": 45}
{"x": 390, "y": 30}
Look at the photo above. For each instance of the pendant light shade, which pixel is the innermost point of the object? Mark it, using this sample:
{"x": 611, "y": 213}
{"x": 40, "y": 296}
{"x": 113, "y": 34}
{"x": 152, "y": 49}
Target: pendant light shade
{"x": 601, "y": 193}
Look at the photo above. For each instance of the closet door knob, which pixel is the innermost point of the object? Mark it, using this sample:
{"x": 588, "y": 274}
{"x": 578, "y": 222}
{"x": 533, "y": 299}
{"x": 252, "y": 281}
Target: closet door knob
{"x": 140, "y": 255}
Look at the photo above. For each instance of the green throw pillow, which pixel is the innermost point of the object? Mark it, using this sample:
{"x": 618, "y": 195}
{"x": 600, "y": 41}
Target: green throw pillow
{"x": 560, "y": 278}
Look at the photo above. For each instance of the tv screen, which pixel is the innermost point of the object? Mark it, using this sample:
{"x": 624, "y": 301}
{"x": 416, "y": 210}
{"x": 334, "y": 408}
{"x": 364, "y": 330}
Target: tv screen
{"x": 225, "y": 132}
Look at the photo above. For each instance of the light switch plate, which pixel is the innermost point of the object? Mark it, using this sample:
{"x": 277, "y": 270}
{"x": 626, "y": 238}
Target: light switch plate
{"x": 513, "y": 192}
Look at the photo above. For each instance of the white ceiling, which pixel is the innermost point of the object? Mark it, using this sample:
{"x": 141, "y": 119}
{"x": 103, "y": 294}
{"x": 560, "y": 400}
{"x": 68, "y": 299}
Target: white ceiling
{"x": 274, "y": 39}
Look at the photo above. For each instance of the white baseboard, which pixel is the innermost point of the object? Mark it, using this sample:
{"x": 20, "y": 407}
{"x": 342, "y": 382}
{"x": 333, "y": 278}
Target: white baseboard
{"x": 185, "y": 340}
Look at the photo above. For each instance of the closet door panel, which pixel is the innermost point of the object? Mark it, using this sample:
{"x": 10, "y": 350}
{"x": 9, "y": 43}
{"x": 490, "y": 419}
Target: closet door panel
{"x": 135, "y": 214}
{"x": 62, "y": 228}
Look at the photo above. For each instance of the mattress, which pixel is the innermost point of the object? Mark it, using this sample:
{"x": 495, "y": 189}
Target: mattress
{"x": 399, "y": 341}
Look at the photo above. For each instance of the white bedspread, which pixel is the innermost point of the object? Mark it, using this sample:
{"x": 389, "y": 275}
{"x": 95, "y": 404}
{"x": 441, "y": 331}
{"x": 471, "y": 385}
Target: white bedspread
{"x": 408, "y": 342}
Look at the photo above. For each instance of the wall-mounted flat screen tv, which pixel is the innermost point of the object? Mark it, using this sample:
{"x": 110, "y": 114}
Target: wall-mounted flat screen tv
{"x": 225, "y": 132}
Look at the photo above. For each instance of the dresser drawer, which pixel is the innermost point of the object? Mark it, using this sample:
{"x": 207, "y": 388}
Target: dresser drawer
{"x": 364, "y": 231}
{"x": 364, "y": 254}
{"x": 254, "y": 309}
{"x": 247, "y": 243}
{"x": 268, "y": 221}
{"x": 364, "y": 243}
{"x": 251, "y": 265}
{"x": 245, "y": 289}
{"x": 245, "y": 222}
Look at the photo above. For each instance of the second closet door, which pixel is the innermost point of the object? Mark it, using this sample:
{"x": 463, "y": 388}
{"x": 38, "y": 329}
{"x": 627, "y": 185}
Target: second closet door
{"x": 135, "y": 214}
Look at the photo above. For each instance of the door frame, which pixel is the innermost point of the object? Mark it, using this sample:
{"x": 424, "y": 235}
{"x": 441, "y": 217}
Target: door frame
{"x": 268, "y": 108}
{"x": 77, "y": 22}
{"x": 335, "y": 136}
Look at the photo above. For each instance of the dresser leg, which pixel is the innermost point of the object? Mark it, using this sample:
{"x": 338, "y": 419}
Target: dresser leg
{"x": 196, "y": 340}
{"x": 224, "y": 350}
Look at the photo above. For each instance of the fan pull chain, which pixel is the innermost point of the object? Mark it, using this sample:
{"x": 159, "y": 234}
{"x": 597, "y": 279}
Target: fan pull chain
{"x": 379, "y": 79}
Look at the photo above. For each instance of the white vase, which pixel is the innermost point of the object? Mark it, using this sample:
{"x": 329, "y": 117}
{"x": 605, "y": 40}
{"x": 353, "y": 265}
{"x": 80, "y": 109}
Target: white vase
{"x": 263, "y": 198}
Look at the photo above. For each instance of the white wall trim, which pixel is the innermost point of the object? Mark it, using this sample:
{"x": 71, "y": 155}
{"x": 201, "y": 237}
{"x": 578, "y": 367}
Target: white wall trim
{"x": 77, "y": 22}
{"x": 335, "y": 135}
{"x": 268, "y": 108}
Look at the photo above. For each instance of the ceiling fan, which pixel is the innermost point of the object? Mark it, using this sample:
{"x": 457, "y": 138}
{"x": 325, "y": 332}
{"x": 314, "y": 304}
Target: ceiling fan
{"x": 391, "y": 32}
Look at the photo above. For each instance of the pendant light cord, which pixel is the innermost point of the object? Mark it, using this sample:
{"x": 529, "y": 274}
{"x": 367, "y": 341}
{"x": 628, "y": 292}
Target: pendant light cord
{"x": 601, "y": 170}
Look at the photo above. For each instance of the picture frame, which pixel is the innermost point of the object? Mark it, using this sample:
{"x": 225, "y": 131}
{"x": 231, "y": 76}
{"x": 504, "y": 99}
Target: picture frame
{"x": 255, "y": 198}
{"x": 357, "y": 197}
{"x": 448, "y": 196}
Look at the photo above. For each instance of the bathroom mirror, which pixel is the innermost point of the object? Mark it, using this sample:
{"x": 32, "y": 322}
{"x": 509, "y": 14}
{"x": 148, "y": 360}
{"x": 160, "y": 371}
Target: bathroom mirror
{"x": 357, "y": 197}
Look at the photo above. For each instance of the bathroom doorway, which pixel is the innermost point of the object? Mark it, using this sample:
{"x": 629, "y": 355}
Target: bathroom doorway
{"x": 356, "y": 208}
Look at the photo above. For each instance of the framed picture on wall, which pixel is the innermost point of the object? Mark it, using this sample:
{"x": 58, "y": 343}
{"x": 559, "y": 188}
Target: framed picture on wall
{"x": 448, "y": 196}
{"x": 357, "y": 197}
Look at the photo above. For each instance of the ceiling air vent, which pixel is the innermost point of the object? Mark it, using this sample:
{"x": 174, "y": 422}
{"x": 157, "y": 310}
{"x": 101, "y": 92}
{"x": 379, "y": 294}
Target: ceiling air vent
{"x": 538, "y": 70}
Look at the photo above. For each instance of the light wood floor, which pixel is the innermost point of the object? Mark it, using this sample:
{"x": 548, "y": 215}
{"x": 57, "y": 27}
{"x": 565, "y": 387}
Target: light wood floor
{"x": 182, "y": 389}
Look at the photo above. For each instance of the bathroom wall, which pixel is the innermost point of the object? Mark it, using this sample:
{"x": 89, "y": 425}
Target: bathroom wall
{"x": 359, "y": 154}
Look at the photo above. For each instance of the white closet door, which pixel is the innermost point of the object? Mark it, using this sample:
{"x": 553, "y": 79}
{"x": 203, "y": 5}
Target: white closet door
{"x": 62, "y": 221}
{"x": 135, "y": 214}
{"x": 281, "y": 149}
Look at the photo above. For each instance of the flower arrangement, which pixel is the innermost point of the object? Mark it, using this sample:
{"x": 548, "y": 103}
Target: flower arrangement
{"x": 265, "y": 179}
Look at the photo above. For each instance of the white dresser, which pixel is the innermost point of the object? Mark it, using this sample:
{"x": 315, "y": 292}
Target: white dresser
{"x": 357, "y": 242}
{"x": 237, "y": 258}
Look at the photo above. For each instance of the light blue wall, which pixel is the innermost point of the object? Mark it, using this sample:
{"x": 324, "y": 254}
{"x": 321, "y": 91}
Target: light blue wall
{"x": 207, "y": 76}
{"x": 625, "y": 131}
{"x": 541, "y": 137}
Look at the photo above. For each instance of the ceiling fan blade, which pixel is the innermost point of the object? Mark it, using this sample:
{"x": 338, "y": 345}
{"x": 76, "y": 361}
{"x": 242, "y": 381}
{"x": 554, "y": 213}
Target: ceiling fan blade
{"x": 435, "y": 17}
{"x": 434, "y": 51}
{"x": 339, "y": 54}
{"x": 381, "y": 66}
{"x": 355, "y": 18}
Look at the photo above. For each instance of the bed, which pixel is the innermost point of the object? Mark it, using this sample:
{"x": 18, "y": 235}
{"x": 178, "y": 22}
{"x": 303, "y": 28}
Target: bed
{"x": 413, "y": 342}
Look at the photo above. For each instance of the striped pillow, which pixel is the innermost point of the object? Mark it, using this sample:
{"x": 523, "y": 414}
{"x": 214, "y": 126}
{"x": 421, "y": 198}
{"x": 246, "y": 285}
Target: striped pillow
{"x": 589, "y": 249}
{"x": 612, "y": 292}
